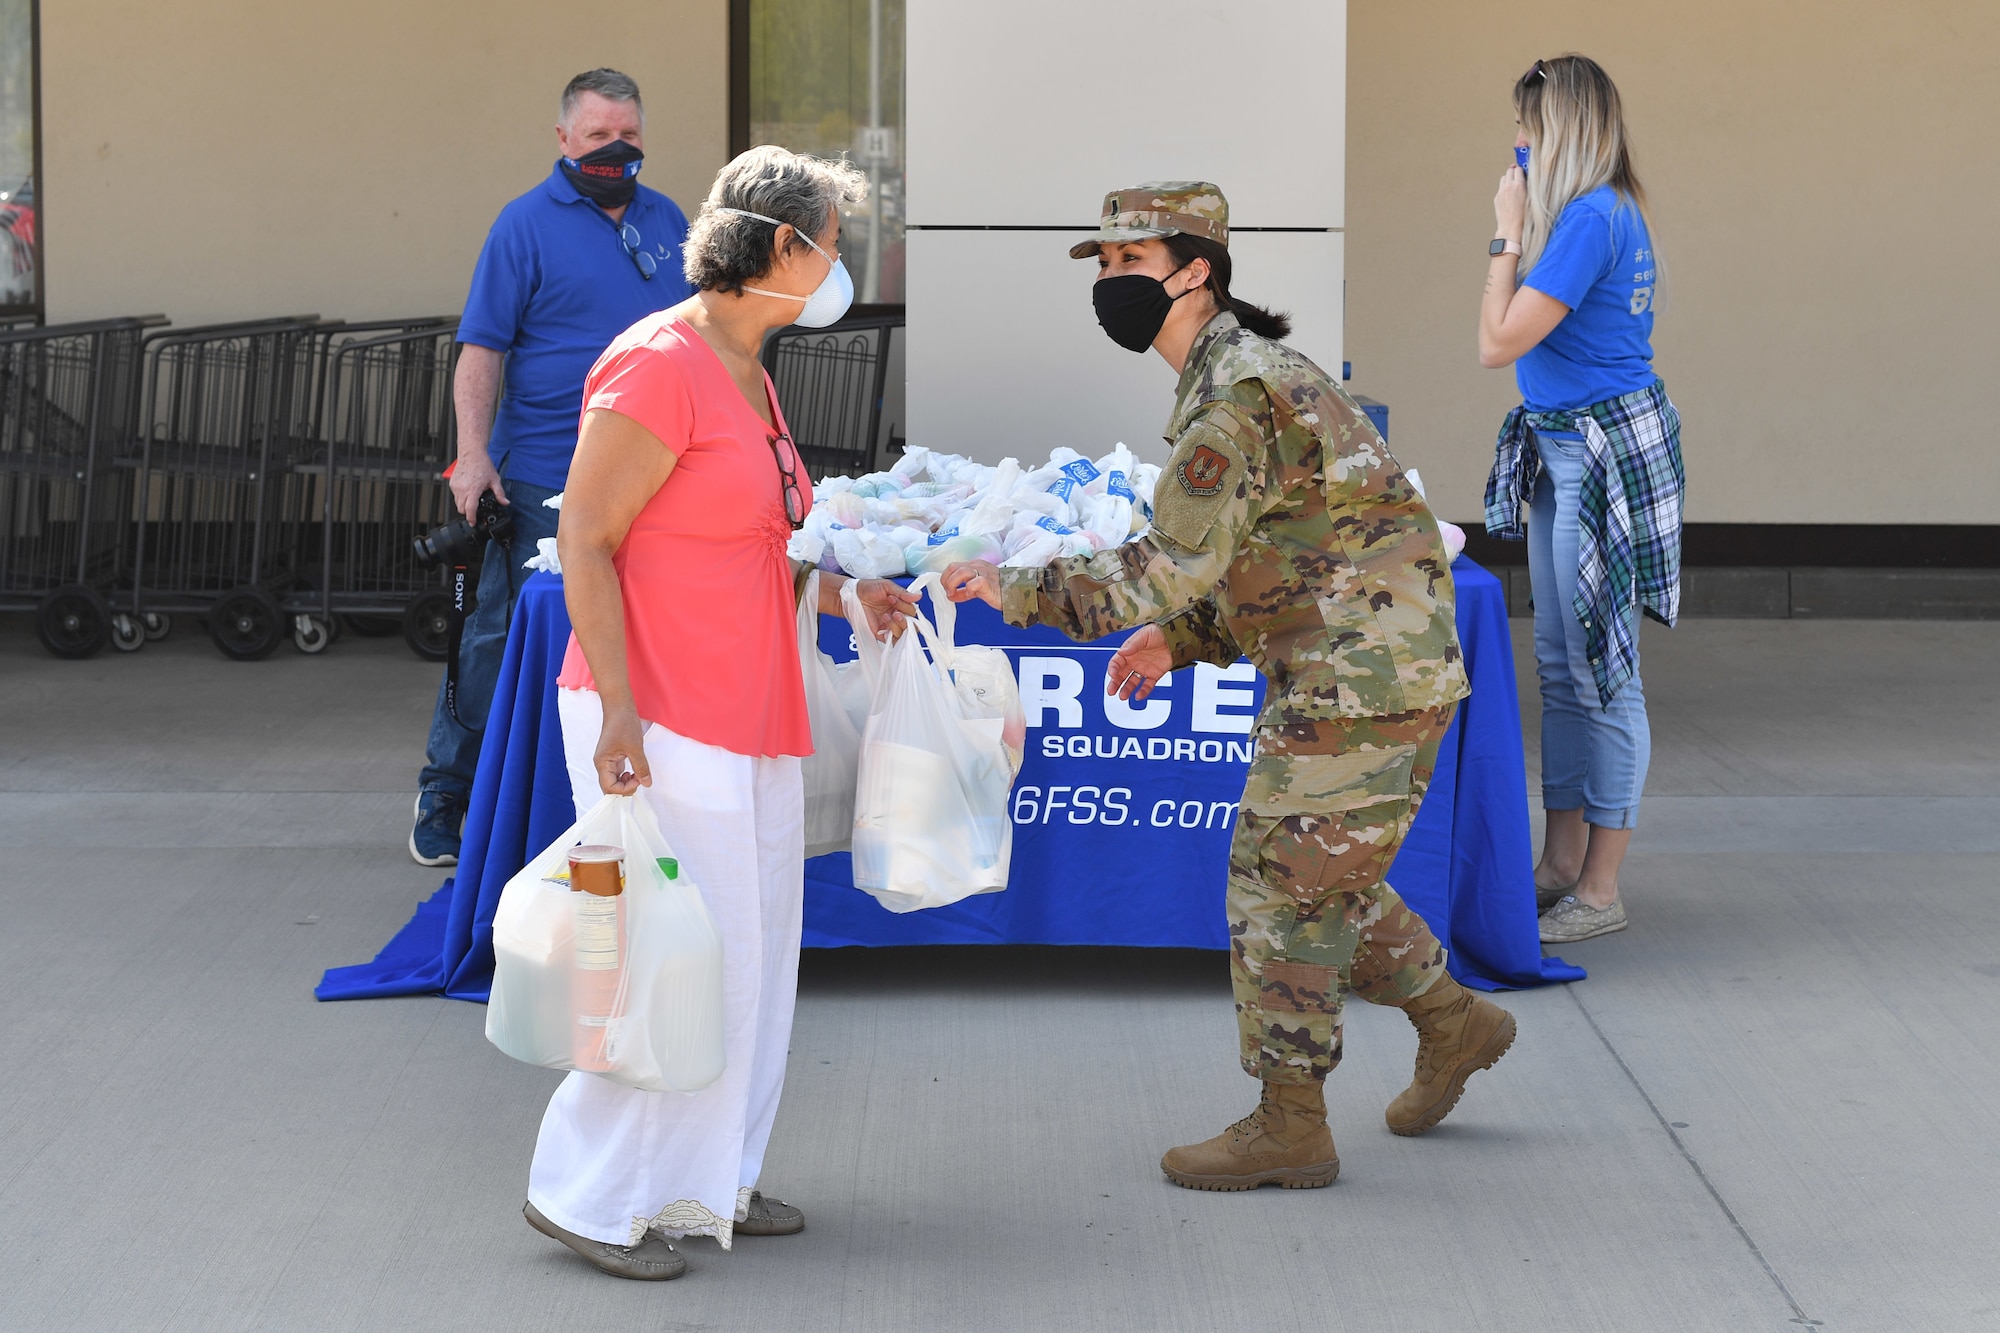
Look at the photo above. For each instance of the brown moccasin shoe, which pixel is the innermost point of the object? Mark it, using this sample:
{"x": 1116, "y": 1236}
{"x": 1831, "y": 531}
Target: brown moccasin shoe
{"x": 651, "y": 1260}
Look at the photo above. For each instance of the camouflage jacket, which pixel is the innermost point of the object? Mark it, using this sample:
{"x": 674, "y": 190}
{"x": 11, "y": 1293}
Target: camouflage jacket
{"x": 1283, "y": 531}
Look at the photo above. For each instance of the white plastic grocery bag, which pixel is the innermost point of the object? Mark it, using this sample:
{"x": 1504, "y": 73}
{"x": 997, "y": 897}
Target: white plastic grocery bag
{"x": 982, "y": 676}
{"x": 626, "y": 987}
{"x": 855, "y": 681}
{"x": 938, "y": 758}
{"x": 831, "y": 696}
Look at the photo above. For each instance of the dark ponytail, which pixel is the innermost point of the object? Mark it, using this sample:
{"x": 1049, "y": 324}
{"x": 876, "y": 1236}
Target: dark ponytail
{"x": 1185, "y": 249}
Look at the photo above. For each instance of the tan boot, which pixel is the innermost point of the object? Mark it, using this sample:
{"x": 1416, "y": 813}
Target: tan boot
{"x": 1284, "y": 1141}
{"x": 1457, "y": 1033}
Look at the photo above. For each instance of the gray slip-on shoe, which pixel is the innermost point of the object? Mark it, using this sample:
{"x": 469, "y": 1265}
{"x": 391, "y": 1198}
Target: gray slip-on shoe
{"x": 1549, "y": 897}
{"x": 651, "y": 1260}
{"x": 1572, "y": 919}
{"x": 770, "y": 1217}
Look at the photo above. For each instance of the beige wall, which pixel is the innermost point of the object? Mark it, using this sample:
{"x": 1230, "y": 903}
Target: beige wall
{"x": 1826, "y": 182}
{"x": 216, "y": 159}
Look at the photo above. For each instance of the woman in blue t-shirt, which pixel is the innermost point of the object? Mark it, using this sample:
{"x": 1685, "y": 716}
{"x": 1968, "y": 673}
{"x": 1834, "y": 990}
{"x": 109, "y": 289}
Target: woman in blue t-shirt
{"x": 1593, "y": 454}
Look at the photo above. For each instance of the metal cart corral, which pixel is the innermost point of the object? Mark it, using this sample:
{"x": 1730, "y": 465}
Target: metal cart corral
{"x": 223, "y": 409}
{"x": 387, "y": 432}
{"x": 68, "y": 394}
{"x": 830, "y": 384}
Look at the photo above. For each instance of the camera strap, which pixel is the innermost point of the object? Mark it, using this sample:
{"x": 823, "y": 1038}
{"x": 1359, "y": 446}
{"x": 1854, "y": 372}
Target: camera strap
{"x": 455, "y": 635}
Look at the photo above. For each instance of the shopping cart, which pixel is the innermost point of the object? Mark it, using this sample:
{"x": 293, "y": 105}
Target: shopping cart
{"x": 830, "y": 384}
{"x": 68, "y": 394}
{"x": 386, "y": 433}
{"x": 223, "y": 411}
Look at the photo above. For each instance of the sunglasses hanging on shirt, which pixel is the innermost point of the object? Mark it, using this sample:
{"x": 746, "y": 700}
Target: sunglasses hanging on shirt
{"x": 629, "y": 236}
{"x": 788, "y": 479}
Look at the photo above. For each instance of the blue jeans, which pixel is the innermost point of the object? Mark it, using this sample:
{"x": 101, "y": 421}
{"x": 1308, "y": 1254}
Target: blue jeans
{"x": 1594, "y": 755}
{"x": 453, "y": 752}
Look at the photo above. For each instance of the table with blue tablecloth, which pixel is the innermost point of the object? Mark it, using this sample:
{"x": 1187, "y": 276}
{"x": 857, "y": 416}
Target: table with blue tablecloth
{"x": 1121, "y": 813}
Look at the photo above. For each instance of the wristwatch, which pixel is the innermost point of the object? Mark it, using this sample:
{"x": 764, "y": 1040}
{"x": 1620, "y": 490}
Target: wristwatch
{"x": 1502, "y": 246}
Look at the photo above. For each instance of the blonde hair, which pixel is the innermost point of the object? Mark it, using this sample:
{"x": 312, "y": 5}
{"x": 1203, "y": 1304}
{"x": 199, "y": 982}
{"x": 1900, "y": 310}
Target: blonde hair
{"x": 1575, "y": 125}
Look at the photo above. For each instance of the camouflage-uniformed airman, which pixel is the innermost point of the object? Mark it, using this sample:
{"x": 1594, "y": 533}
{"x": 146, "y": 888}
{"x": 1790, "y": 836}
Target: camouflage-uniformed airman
{"x": 1283, "y": 530}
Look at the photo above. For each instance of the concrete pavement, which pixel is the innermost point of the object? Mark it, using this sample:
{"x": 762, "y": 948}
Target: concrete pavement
{"x": 1767, "y": 1108}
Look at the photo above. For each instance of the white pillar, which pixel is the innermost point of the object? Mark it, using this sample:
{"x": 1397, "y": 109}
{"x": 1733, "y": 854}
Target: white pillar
{"x": 1020, "y": 119}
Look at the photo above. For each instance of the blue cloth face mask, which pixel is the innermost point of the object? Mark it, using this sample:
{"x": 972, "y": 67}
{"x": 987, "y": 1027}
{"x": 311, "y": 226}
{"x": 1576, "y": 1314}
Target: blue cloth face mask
{"x": 829, "y": 301}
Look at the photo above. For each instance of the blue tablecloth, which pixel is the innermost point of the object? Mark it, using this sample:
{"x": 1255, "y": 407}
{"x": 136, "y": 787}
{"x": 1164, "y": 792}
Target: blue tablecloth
{"x": 1121, "y": 820}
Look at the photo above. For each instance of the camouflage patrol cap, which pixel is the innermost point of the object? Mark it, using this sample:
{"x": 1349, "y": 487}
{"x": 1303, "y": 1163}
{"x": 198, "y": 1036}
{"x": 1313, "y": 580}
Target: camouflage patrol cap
{"x": 1159, "y": 208}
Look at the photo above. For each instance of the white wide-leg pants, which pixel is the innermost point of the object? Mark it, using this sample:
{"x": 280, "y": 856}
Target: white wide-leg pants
{"x": 614, "y": 1161}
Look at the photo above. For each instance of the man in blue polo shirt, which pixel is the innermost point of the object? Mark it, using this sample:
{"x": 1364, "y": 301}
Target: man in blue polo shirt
{"x": 567, "y": 267}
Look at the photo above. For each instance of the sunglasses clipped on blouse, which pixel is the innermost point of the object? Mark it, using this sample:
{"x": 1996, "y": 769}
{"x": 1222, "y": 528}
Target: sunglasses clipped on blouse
{"x": 788, "y": 478}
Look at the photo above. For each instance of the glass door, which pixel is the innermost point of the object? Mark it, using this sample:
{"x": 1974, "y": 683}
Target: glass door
{"x": 20, "y": 153}
{"x": 826, "y": 77}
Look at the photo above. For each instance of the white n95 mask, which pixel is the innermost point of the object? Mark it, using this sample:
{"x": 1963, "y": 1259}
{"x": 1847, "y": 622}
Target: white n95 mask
{"x": 828, "y": 301}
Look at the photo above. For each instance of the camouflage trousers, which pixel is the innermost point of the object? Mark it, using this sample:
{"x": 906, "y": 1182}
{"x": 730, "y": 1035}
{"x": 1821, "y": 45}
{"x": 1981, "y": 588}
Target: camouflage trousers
{"x": 1311, "y": 917}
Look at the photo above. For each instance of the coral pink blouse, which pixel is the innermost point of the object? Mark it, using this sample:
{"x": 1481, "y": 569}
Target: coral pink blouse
{"x": 711, "y": 629}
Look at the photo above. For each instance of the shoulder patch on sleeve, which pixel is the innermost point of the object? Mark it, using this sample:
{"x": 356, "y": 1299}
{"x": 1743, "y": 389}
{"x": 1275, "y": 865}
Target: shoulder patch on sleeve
{"x": 1202, "y": 471}
{"x": 1207, "y": 471}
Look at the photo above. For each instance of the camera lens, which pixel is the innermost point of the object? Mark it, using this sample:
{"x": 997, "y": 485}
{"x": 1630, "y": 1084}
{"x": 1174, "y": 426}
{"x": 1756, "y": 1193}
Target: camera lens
{"x": 454, "y": 543}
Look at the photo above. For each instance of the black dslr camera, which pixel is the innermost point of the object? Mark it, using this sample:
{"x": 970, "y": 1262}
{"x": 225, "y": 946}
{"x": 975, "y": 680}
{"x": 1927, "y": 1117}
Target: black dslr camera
{"x": 457, "y": 542}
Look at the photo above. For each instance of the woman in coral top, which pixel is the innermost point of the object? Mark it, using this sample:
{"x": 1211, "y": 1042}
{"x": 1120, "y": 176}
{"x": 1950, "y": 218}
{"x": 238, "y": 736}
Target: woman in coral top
{"x": 682, "y": 681}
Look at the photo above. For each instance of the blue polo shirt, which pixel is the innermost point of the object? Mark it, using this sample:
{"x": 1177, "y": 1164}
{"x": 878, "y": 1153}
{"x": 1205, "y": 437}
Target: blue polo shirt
{"x": 553, "y": 287}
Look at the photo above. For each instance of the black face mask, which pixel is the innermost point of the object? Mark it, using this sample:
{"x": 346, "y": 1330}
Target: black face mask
{"x": 1133, "y": 308}
{"x": 608, "y": 176}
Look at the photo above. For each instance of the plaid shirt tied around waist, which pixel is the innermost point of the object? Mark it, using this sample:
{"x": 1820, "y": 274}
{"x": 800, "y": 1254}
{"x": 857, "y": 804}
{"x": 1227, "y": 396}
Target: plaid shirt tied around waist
{"x": 1629, "y": 520}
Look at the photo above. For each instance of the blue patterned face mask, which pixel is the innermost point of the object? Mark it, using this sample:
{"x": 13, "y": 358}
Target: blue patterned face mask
{"x": 828, "y": 301}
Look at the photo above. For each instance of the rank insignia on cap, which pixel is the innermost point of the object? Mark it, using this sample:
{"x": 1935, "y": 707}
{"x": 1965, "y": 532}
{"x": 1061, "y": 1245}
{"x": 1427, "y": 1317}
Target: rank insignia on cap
{"x": 1156, "y": 209}
{"x": 1202, "y": 473}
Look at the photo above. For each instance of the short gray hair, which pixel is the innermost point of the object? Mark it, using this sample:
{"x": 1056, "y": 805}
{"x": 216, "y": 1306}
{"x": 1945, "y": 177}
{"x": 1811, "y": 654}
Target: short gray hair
{"x": 606, "y": 83}
{"x": 725, "y": 250}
